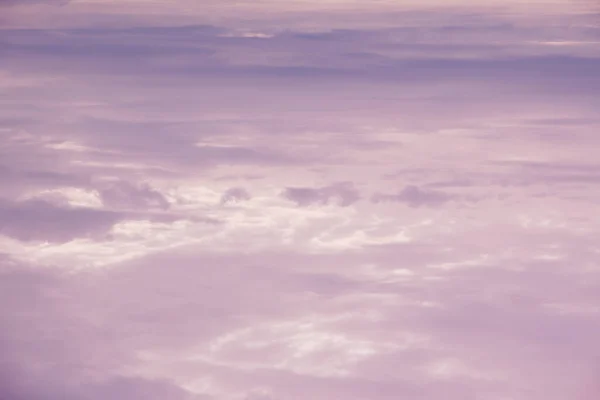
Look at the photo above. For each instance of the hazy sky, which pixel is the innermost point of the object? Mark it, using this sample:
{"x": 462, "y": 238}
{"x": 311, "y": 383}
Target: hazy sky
{"x": 293, "y": 200}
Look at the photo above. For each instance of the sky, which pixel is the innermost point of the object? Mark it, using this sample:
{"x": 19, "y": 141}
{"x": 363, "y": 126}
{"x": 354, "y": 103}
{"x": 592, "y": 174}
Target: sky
{"x": 289, "y": 200}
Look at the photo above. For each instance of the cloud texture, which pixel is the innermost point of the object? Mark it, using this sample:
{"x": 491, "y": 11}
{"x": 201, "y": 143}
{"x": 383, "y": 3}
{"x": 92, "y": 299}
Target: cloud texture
{"x": 299, "y": 200}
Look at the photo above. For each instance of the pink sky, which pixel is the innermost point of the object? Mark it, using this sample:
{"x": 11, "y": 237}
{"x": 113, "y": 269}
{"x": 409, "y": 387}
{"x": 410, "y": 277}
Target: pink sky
{"x": 291, "y": 200}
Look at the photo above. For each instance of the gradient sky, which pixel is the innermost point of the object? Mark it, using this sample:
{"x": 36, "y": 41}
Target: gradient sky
{"x": 291, "y": 200}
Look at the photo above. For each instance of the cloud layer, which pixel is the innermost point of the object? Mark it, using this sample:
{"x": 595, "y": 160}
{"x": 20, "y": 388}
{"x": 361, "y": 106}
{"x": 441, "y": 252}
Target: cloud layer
{"x": 273, "y": 201}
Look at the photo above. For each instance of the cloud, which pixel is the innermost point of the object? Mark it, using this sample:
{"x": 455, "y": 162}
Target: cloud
{"x": 343, "y": 193}
{"x": 235, "y": 195}
{"x": 80, "y": 338}
{"x": 414, "y": 196}
{"x": 337, "y": 330}
{"x": 140, "y": 389}
{"x": 532, "y": 172}
{"x": 129, "y": 196}
{"x": 17, "y": 181}
{"x": 123, "y": 122}
{"x": 40, "y": 220}
{"x": 439, "y": 51}
{"x": 48, "y": 339}
{"x": 9, "y": 3}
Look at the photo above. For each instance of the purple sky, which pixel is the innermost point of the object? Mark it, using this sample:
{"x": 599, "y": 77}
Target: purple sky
{"x": 292, "y": 200}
